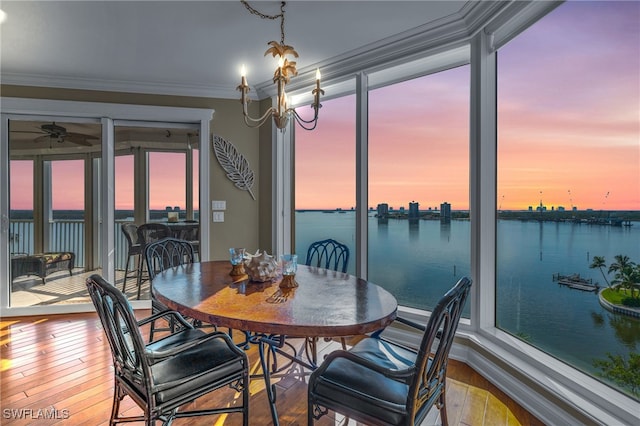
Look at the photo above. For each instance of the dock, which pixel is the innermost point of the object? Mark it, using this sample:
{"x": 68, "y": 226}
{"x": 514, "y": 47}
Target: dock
{"x": 576, "y": 282}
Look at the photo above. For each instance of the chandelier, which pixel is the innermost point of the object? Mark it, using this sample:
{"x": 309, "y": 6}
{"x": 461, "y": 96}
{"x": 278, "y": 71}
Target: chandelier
{"x": 281, "y": 77}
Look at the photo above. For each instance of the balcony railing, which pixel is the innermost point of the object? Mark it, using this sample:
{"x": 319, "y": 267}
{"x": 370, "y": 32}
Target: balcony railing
{"x": 64, "y": 235}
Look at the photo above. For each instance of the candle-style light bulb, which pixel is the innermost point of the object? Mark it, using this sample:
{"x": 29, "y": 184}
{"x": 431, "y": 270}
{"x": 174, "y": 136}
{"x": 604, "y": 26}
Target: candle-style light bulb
{"x": 243, "y": 74}
{"x": 318, "y": 74}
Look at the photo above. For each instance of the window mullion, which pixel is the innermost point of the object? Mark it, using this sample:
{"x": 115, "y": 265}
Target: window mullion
{"x": 483, "y": 181}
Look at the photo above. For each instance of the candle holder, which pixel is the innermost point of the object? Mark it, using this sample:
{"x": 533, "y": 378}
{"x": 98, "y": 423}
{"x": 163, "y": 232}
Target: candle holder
{"x": 237, "y": 261}
{"x": 289, "y": 268}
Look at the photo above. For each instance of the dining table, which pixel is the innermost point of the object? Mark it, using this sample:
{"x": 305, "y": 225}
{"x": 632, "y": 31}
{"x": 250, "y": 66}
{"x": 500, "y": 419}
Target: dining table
{"x": 325, "y": 303}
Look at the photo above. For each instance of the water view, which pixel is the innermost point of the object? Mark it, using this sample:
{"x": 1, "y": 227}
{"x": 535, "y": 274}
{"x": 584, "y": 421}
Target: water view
{"x": 419, "y": 261}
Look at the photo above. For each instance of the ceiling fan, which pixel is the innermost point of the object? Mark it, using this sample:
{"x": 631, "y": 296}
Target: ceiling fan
{"x": 53, "y": 132}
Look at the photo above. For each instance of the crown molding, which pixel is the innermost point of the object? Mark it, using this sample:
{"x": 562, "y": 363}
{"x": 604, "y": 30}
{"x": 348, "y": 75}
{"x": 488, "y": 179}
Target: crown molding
{"x": 64, "y": 82}
{"x": 434, "y": 37}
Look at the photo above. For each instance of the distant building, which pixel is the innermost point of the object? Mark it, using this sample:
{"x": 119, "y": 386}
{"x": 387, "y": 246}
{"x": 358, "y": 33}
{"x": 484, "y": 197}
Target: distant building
{"x": 445, "y": 212}
{"x": 414, "y": 210}
{"x": 383, "y": 210}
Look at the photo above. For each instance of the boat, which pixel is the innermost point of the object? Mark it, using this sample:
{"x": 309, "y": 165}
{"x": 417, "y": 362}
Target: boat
{"x": 575, "y": 281}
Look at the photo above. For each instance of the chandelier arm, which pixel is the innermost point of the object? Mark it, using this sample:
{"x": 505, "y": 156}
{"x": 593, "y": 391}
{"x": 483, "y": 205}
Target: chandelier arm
{"x": 257, "y": 122}
{"x": 301, "y": 121}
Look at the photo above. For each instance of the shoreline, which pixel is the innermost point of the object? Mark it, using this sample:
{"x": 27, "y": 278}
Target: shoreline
{"x": 617, "y": 309}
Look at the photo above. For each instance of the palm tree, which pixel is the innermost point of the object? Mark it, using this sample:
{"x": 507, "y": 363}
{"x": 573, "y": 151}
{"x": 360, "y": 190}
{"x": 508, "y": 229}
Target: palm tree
{"x": 600, "y": 263}
{"x": 625, "y": 273}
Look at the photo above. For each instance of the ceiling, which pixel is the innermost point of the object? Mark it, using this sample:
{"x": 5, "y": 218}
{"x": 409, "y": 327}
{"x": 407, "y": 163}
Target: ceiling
{"x": 193, "y": 48}
{"x": 28, "y": 138}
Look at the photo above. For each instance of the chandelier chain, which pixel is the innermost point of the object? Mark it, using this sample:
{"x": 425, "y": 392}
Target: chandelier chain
{"x": 272, "y": 17}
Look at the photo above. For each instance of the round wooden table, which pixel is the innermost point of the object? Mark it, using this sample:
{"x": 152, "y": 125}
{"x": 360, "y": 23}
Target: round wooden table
{"x": 325, "y": 304}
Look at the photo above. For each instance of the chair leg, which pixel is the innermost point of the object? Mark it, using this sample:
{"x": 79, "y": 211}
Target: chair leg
{"x": 126, "y": 273}
{"x": 141, "y": 264}
{"x": 309, "y": 414}
{"x": 115, "y": 407}
{"x": 443, "y": 408}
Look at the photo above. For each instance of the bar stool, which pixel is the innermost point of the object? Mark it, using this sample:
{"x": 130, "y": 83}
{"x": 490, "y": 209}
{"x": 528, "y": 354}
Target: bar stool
{"x": 129, "y": 229}
{"x": 147, "y": 234}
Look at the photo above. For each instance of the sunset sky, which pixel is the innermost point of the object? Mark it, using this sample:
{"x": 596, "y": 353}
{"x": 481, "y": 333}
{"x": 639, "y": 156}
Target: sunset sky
{"x": 568, "y": 130}
{"x": 569, "y": 125}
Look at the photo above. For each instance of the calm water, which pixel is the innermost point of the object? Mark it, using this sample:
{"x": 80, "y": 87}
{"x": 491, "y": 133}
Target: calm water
{"x": 419, "y": 262}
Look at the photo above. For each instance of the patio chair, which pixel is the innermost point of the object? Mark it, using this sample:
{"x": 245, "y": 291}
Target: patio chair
{"x": 164, "y": 375}
{"x": 378, "y": 382}
{"x": 328, "y": 254}
{"x": 134, "y": 248}
{"x": 147, "y": 234}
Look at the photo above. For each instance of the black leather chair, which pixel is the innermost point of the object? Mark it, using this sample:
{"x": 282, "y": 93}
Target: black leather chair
{"x": 164, "y": 375}
{"x": 328, "y": 254}
{"x": 378, "y": 382}
{"x": 134, "y": 248}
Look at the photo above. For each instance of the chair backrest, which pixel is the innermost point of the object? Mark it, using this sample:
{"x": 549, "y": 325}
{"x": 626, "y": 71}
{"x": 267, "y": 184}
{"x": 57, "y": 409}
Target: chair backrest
{"x": 150, "y": 232}
{"x": 190, "y": 231}
{"x": 167, "y": 253}
{"x": 130, "y": 231}
{"x": 433, "y": 354}
{"x": 328, "y": 254}
{"x": 121, "y": 328}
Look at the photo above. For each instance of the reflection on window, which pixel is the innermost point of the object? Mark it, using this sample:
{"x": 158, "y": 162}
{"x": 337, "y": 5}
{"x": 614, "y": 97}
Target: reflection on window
{"x": 568, "y": 188}
{"x": 325, "y": 170}
{"x": 419, "y": 230}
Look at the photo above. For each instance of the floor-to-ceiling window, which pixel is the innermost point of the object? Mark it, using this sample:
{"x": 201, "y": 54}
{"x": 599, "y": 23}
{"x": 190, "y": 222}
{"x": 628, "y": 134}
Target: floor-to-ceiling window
{"x": 56, "y": 195}
{"x": 569, "y": 187}
{"x": 325, "y": 179}
{"x": 157, "y": 177}
{"x": 419, "y": 229}
{"x": 51, "y": 217}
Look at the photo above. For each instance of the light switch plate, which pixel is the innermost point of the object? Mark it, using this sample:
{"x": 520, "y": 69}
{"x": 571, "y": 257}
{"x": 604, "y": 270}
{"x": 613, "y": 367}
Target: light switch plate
{"x": 218, "y": 205}
{"x": 218, "y": 216}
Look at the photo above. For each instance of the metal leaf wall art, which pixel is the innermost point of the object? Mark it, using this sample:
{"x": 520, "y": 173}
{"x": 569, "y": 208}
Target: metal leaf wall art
{"x": 234, "y": 164}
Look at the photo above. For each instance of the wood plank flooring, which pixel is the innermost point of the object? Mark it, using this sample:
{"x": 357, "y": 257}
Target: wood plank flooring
{"x": 58, "y": 370}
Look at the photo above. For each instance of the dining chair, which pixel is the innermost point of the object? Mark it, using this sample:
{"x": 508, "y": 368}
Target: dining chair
{"x": 159, "y": 256}
{"x": 328, "y": 254}
{"x": 378, "y": 382}
{"x": 134, "y": 248}
{"x": 147, "y": 234}
{"x": 163, "y": 375}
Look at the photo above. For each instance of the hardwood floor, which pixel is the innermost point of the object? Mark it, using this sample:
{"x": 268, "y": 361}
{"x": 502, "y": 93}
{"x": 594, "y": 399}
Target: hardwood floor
{"x": 58, "y": 370}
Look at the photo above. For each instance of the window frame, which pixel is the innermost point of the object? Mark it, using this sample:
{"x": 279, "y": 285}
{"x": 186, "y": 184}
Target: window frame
{"x": 554, "y": 391}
